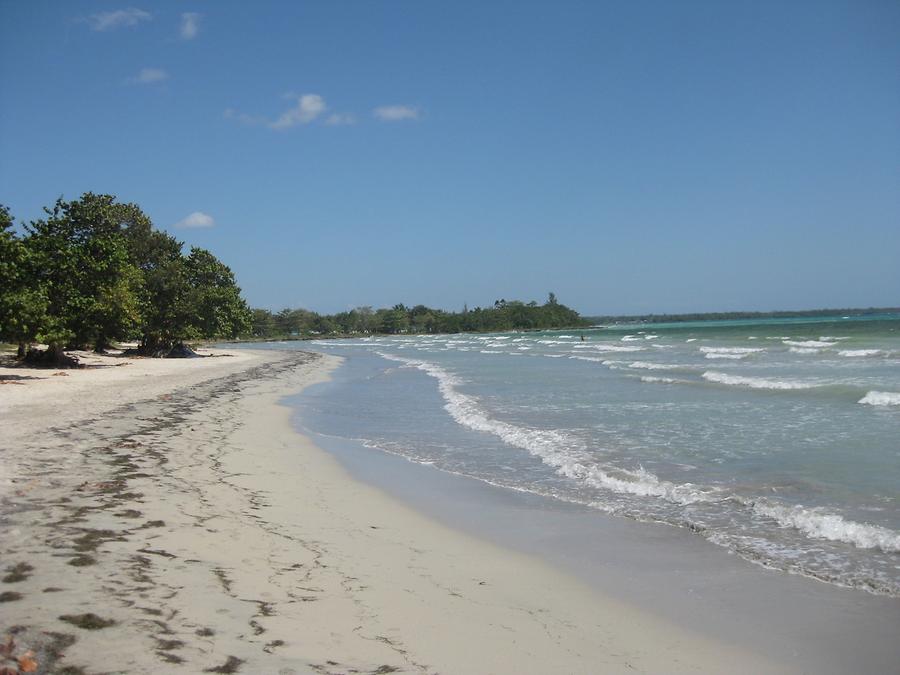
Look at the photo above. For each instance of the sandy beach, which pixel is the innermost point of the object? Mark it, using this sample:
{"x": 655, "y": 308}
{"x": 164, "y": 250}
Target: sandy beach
{"x": 163, "y": 516}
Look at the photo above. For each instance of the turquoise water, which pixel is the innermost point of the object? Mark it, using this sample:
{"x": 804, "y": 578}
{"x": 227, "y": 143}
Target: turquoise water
{"x": 777, "y": 440}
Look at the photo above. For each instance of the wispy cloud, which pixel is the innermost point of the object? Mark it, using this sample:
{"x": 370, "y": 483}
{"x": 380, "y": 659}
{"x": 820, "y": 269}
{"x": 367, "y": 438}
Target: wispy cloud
{"x": 197, "y": 219}
{"x": 307, "y": 108}
{"x": 148, "y": 76}
{"x": 103, "y": 21}
{"x": 189, "y": 25}
{"x": 396, "y": 113}
{"x": 340, "y": 119}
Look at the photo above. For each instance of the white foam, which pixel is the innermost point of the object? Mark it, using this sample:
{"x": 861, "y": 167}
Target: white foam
{"x": 691, "y": 340}
{"x": 733, "y": 353}
{"x": 564, "y": 453}
{"x": 732, "y": 350}
{"x": 881, "y": 398}
{"x": 809, "y": 343}
{"x": 805, "y": 350}
{"x": 490, "y": 351}
{"x": 754, "y": 382}
{"x": 819, "y": 524}
{"x": 658, "y": 380}
{"x": 860, "y": 352}
{"x": 629, "y": 338}
{"x": 614, "y": 348}
{"x": 646, "y": 365}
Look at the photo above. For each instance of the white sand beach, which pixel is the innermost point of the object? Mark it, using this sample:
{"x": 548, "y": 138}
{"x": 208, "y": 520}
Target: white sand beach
{"x": 168, "y": 511}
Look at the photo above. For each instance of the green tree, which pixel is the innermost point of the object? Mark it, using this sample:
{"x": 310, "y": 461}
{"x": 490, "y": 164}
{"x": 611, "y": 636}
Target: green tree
{"x": 263, "y": 323}
{"x": 23, "y": 306}
{"x": 214, "y": 300}
{"x": 80, "y": 260}
{"x": 395, "y": 320}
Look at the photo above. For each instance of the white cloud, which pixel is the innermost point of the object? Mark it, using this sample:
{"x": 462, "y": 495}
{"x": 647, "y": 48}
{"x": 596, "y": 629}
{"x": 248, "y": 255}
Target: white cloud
{"x": 189, "y": 27}
{"x": 148, "y": 76}
{"x": 396, "y": 113}
{"x": 132, "y": 16}
{"x": 196, "y": 220}
{"x": 308, "y": 108}
{"x": 340, "y": 119}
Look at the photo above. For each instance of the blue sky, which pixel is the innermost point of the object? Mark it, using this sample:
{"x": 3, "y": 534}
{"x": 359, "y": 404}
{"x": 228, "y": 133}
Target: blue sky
{"x": 629, "y": 156}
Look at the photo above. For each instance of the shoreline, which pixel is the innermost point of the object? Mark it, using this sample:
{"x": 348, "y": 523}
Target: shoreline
{"x": 809, "y": 624}
{"x": 216, "y": 537}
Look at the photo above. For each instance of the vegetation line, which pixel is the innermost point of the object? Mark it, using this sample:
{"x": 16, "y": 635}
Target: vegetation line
{"x": 504, "y": 315}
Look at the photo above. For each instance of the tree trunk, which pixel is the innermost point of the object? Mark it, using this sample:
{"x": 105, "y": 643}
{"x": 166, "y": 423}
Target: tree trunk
{"x": 52, "y": 357}
{"x": 23, "y": 350}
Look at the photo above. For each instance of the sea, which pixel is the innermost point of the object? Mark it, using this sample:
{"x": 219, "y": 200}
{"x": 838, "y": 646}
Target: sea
{"x": 777, "y": 440}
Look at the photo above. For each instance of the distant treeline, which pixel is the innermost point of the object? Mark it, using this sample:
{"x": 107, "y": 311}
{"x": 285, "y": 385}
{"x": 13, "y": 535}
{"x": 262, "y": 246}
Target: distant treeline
{"x": 504, "y": 315}
{"x": 94, "y": 271}
{"x": 732, "y": 316}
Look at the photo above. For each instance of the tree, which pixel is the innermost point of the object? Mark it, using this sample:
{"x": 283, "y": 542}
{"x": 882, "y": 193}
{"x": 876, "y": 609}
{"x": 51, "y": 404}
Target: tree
{"x": 94, "y": 271}
{"x": 214, "y": 299}
{"x": 395, "y": 320}
{"x": 263, "y": 323}
{"x": 80, "y": 260}
{"x": 23, "y": 307}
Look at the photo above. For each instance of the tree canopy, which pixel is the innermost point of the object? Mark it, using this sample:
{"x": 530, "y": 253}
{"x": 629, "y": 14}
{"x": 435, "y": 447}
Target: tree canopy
{"x": 502, "y": 316}
{"x": 94, "y": 271}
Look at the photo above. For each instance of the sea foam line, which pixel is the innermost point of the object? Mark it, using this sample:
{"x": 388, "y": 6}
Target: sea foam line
{"x": 647, "y": 365}
{"x": 817, "y": 523}
{"x": 881, "y": 398}
{"x": 754, "y": 382}
{"x": 733, "y": 353}
{"x": 554, "y": 448}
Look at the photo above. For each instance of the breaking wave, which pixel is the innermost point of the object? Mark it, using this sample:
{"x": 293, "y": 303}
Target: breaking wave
{"x": 730, "y": 352}
{"x": 809, "y": 343}
{"x": 755, "y": 382}
{"x": 554, "y": 448}
{"x": 819, "y": 524}
{"x": 881, "y": 398}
